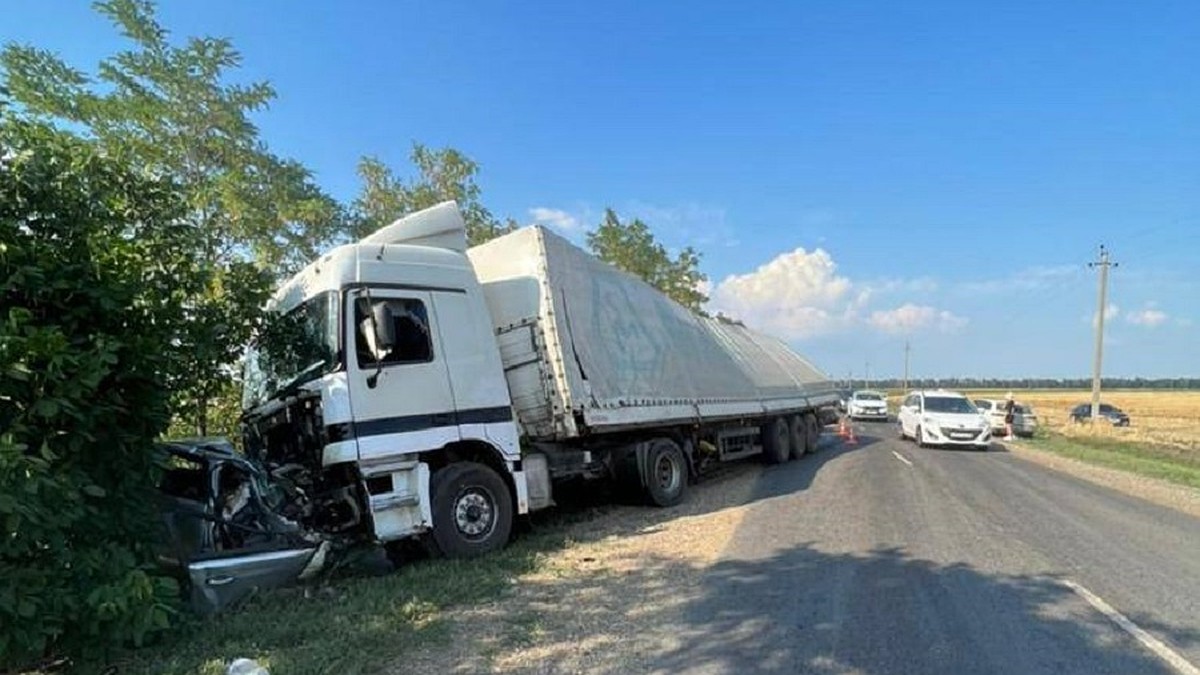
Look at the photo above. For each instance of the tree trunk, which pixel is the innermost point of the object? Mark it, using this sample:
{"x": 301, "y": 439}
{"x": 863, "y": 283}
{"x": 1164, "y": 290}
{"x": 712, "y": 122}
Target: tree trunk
{"x": 202, "y": 416}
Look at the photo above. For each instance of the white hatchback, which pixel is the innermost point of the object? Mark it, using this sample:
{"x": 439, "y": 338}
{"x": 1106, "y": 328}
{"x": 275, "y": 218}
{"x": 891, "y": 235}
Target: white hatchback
{"x": 943, "y": 418}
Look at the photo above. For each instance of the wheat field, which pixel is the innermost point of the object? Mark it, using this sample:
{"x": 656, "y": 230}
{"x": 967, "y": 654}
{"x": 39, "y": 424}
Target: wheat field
{"x": 1163, "y": 418}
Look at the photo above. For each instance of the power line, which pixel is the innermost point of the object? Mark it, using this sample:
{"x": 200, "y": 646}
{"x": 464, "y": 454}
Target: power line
{"x": 1103, "y": 264}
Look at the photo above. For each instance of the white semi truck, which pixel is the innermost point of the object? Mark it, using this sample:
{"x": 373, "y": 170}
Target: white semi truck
{"x": 427, "y": 390}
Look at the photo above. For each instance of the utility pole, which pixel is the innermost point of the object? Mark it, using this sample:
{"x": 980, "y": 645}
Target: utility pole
{"x": 867, "y": 376}
{"x": 907, "y": 349}
{"x": 1103, "y": 264}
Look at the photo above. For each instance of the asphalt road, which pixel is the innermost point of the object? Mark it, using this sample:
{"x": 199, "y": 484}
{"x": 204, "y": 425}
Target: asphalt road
{"x": 940, "y": 561}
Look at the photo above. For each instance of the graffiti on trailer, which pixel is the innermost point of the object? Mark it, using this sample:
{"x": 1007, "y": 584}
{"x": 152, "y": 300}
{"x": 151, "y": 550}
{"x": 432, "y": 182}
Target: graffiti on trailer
{"x": 634, "y": 343}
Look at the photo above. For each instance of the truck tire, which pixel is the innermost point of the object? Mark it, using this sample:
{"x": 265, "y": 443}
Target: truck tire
{"x": 798, "y": 436}
{"x": 666, "y": 473}
{"x": 813, "y": 429}
{"x": 472, "y": 510}
{"x": 775, "y": 443}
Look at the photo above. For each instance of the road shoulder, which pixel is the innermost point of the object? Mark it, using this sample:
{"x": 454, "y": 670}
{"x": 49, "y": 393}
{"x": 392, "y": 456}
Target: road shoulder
{"x": 1163, "y": 493}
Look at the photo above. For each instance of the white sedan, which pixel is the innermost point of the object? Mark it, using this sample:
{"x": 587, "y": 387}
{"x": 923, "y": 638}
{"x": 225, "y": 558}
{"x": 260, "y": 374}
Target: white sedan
{"x": 867, "y": 405}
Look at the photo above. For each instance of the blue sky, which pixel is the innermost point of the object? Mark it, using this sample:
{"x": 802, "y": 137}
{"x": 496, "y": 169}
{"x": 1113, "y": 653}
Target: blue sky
{"x": 855, "y": 173}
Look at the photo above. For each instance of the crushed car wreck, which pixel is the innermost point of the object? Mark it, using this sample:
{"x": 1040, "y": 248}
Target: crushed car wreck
{"x": 231, "y": 527}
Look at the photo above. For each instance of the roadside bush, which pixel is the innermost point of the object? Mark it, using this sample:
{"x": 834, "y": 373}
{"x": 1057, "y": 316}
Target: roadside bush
{"x": 95, "y": 275}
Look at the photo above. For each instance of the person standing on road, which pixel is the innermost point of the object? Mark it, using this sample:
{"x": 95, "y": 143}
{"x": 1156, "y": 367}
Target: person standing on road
{"x": 1010, "y": 408}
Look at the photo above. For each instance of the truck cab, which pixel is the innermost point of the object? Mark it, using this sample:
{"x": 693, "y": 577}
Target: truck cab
{"x": 379, "y": 390}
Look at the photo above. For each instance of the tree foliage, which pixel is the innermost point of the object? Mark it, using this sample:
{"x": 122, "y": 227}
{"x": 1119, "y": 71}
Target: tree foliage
{"x": 172, "y": 110}
{"x": 95, "y": 263}
{"x": 442, "y": 175}
{"x": 632, "y": 247}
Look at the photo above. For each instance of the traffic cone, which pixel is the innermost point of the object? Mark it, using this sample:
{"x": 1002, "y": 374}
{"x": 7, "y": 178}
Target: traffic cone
{"x": 843, "y": 428}
{"x": 850, "y": 439}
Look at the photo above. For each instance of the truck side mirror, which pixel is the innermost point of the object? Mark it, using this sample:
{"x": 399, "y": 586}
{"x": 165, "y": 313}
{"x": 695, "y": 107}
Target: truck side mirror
{"x": 384, "y": 326}
{"x": 377, "y": 330}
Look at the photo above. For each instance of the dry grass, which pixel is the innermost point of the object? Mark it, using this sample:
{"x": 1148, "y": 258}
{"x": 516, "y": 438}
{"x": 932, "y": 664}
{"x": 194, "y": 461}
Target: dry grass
{"x": 1167, "y": 419}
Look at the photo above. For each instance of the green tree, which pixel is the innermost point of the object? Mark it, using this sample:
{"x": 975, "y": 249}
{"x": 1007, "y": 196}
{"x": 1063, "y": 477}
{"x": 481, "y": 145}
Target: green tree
{"x": 632, "y": 247}
{"x": 174, "y": 110}
{"x": 444, "y": 174}
{"x": 95, "y": 271}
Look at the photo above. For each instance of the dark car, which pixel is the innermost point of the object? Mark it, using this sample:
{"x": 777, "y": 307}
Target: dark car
{"x": 1112, "y": 414}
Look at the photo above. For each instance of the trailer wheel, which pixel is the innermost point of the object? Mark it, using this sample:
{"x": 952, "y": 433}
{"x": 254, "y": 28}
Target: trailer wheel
{"x": 666, "y": 476}
{"x": 798, "y": 436}
{"x": 472, "y": 510}
{"x": 813, "y": 429}
{"x": 775, "y": 441}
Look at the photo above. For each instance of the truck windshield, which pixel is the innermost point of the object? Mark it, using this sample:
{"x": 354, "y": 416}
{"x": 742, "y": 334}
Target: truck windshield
{"x": 293, "y": 348}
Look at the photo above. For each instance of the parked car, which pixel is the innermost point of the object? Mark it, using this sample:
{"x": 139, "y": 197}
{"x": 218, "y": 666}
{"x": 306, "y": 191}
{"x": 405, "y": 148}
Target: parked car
{"x": 943, "y": 418}
{"x": 1025, "y": 422}
{"x": 1109, "y": 413}
{"x": 867, "y": 405}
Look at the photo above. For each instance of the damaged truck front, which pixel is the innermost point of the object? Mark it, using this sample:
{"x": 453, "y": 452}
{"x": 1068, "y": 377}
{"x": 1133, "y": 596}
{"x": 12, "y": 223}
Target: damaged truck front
{"x": 348, "y": 410}
{"x": 410, "y": 388}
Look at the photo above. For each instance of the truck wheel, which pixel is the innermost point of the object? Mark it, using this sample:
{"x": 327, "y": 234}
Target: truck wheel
{"x": 472, "y": 510}
{"x": 798, "y": 437}
{"x": 813, "y": 429}
{"x": 775, "y": 441}
{"x": 666, "y": 473}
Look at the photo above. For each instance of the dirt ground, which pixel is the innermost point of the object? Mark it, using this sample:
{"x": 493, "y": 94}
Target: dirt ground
{"x": 567, "y": 617}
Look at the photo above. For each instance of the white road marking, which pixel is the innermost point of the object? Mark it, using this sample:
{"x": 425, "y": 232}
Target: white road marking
{"x": 1180, "y": 664}
{"x": 902, "y": 458}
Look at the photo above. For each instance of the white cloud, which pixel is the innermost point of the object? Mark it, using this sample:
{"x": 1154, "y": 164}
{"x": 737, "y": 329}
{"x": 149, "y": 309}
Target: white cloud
{"x": 556, "y": 218}
{"x": 909, "y": 318}
{"x": 1148, "y": 317}
{"x": 800, "y": 294}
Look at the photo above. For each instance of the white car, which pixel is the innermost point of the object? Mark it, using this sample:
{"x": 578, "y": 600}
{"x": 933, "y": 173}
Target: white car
{"x": 1025, "y": 422}
{"x": 943, "y": 418}
{"x": 867, "y": 405}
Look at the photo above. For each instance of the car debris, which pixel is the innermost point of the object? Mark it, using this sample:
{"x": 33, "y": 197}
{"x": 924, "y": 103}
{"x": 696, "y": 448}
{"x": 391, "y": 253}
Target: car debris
{"x": 233, "y": 527}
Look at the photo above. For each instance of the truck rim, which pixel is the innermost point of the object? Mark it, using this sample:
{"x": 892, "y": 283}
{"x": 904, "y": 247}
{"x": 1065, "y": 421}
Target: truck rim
{"x": 475, "y": 513}
{"x": 667, "y": 473}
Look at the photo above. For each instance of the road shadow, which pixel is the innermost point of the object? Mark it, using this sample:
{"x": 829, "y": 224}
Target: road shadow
{"x": 803, "y": 610}
{"x": 593, "y": 511}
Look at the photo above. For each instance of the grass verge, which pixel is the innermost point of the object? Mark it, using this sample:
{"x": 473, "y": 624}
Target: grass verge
{"x": 1142, "y": 459}
{"x": 347, "y": 625}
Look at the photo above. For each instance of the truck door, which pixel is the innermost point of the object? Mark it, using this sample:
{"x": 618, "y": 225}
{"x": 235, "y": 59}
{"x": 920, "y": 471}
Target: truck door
{"x": 399, "y": 382}
{"x": 402, "y": 401}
